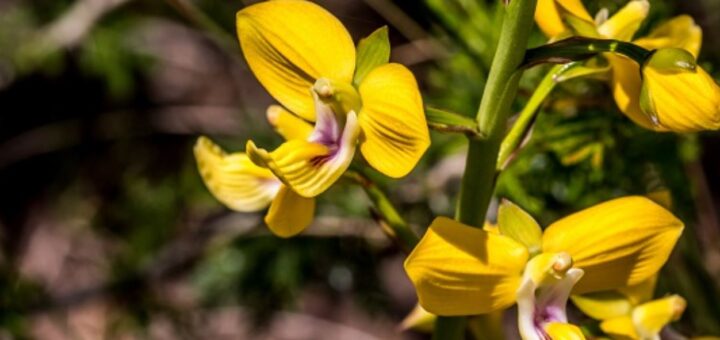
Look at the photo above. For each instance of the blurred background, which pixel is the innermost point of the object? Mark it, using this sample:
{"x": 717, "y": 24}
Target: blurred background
{"x": 106, "y": 230}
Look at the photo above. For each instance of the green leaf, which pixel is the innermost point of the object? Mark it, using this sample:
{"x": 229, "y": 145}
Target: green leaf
{"x": 372, "y": 51}
{"x": 517, "y": 224}
{"x": 446, "y": 121}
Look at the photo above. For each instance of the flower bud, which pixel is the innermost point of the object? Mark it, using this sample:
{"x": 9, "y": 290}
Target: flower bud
{"x": 677, "y": 95}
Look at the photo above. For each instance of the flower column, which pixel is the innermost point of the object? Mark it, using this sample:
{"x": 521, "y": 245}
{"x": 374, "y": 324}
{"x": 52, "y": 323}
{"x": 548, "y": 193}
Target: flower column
{"x": 478, "y": 181}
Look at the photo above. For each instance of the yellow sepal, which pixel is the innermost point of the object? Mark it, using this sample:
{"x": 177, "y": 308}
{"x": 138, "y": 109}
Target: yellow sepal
{"x": 615, "y": 303}
{"x": 623, "y": 24}
{"x": 626, "y": 84}
{"x": 419, "y": 320}
{"x": 289, "y": 213}
{"x": 651, "y": 317}
{"x": 233, "y": 179}
{"x": 603, "y": 305}
{"x": 679, "y": 32}
{"x": 289, "y": 44}
{"x": 549, "y": 15}
{"x": 461, "y": 270}
{"x": 395, "y": 133}
{"x": 287, "y": 124}
{"x": 686, "y": 101}
{"x": 617, "y": 243}
{"x": 620, "y": 328}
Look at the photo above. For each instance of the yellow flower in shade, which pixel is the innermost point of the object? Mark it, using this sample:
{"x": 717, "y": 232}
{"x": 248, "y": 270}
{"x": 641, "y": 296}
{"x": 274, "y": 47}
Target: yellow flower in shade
{"x": 243, "y": 186}
{"x": 306, "y": 60}
{"x": 630, "y": 313}
{"x": 461, "y": 270}
{"x": 684, "y": 102}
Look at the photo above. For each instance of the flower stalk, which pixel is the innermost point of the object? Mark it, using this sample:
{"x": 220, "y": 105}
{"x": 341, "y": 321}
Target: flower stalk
{"x": 478, "y": 181}
{"x": 393, "y": 224}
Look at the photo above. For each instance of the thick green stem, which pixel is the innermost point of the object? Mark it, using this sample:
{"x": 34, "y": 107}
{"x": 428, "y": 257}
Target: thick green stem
{"x": 391, "y": 221}
{"x": 478, "y": 182}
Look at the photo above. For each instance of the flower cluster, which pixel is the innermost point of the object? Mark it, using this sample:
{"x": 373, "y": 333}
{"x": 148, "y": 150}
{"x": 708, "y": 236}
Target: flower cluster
{"x": 333, "y": 101}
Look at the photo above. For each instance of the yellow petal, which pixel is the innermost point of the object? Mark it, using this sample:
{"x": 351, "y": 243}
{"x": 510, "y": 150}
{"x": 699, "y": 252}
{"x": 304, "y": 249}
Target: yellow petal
{"x": 549, "y": 15}
{"x": 617, "y": 243}
{"x": 289, "y": 213}
{"x": 685, "y": 101}
{"x": 624, "y": 24}
{"x": 461, "y": 270}
{"x": 309, "y": 168}
{"x": 626, "y": 85}
{"x": 395, "y": 133}
{"x": 678, "y": 32}
{"x": 289, "y": 44}
{"x": 564, "y": 331}
{"x": 419, "y": 320}
{"x": 621, "y": 328}
{"x": 651, "y": 317}
{"x": 233, "y": 179}
{"x": 603, "y": 305}
{"x": 615, "y": 303}
{"x": 287, "y": 124}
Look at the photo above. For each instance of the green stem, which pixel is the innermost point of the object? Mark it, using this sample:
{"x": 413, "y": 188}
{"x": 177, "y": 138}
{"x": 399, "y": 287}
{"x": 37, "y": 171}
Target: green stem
{"x": 391, "y": 221}
{"x": 581, "y": 48}
{"x": 478, "y": 181}
{"x": 527, "y": 116}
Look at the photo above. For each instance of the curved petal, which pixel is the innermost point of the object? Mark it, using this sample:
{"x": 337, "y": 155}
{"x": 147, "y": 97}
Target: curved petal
{"x": 678, "y": 32}
{"x": 685, "y": 101}
{"x": 289, "y": 213}
{"x": 603, "y": 305}
{"x": 626, "y": 85}
{"x": 419, "y": 319}
{"x": 233, "y": 179}
{"x": 617, "y": 243}
{"x": 392, "y": 120}
{"x": 287, "y": 124}
{"x": 549, "y": 15}
{"x": 620, "y": 328}
{"x": 651, "y": 317}
{"x": 309, "y": 168}
{"x": 461, "y": 270}
{"x": 615, "y": 303}
{"x": 289, "y": 44}
{"x": 623, "y": 24}
{"x": 564, "y": 331}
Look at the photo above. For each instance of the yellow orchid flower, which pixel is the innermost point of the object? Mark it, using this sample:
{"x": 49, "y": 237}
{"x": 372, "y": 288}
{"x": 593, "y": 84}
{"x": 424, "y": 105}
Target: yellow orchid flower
{"x": 306, "y": 60}
{"x": 630, "y": 312}
{"x": 684, "y": 101}
{"x": 461, "y": 270}
{"x": 243, "y": 186}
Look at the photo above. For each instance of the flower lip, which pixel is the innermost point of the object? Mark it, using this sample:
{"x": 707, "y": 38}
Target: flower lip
{"x": 543, "y": 293}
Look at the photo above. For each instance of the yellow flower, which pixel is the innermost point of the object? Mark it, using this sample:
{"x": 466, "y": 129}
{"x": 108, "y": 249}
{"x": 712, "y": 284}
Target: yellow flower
{"x": 243, "y": 186}
{"x": 630, "y": 312}
{"x": 461, "y": 270}
{"x": 680, "y": 99}
{"x": 684, "y": 102}
{"x": 306, "y": 60}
